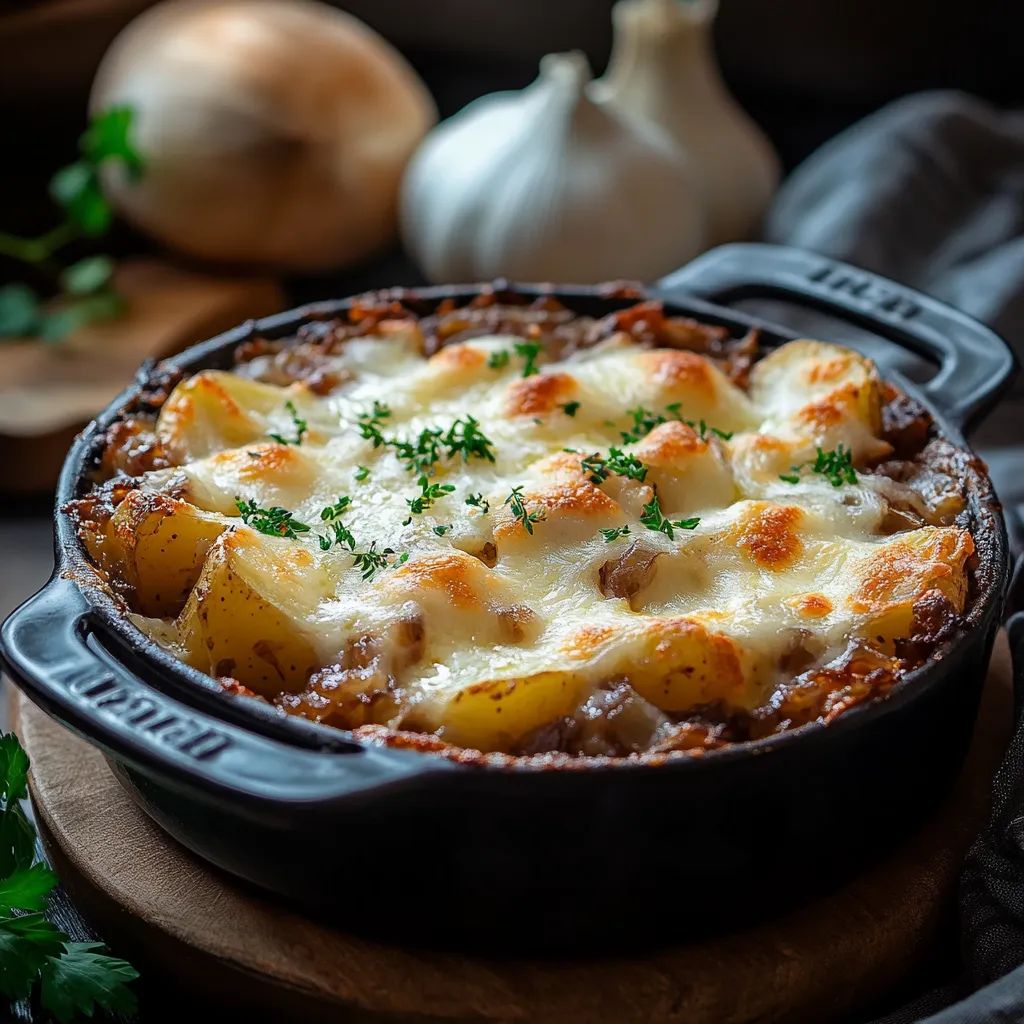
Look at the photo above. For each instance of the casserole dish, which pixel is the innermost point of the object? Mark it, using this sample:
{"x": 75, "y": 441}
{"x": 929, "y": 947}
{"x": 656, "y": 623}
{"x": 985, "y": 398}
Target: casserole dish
{"x": 400, "y": 843}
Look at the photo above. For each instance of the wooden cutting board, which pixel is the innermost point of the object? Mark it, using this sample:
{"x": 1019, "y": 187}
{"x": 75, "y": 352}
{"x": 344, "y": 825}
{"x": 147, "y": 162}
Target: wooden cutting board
{"x": 49, "y": 392}
{"x": 203, "y": 933}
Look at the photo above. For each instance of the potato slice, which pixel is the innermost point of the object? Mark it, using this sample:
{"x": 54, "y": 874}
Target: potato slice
{"x": 242, "y": 618}
{"x": 495, "y": 713}
{"x": 165, "y": 543}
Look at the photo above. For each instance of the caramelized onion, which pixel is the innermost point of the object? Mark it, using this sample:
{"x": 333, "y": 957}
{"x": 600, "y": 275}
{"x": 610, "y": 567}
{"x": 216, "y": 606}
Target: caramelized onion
{"x": 629, "y": 573}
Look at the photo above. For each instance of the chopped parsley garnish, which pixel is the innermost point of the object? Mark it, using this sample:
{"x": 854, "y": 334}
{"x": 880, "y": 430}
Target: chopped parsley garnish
{"x": 301, "y": 426}
{"x": 368, "y": 562}
{"x": 465, "y": 438}
{"x": 441, "y": 530}
{"x": 429, "y": 493}
{"x": 361, "y": 473}
{"x": 74, "y": 978}
{"x": 570, "y": 408}
{"x": 479, "y": 501}
{"x": 645, "y": 420}
{"x": 836, "y": 466}
{"x": 529, "y": 350}
{"x": 515, "y": 503}
{"x": 654, "y": 520}
{"x": 614, "y": 533}
{"x": 275, "y": 521}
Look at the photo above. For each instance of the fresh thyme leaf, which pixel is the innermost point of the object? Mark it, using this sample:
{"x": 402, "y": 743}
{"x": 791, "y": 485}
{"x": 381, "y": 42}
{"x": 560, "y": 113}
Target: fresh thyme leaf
{"x": 422, "y": 454}
{"x": 108, "y": 137}
{"x": 369, "y": 424}
{"x": 653, "y": 519}
{"x": 301, "y": 426}
{"x": 84, "y": 978}
{"x": 570, "y": 408}
{"x": 26, "y": 942}
{"x": 361, "y": 473}
{"x": 20, "y": 311}
{"x": 77, "y": 189}
{"x": 26, "y": 889}
{"x": 368, "y": 562}
{"x": 341, "y": 534}
{"x": 429, "y": 493}
{"x": 518, "y": 509}
{"x": 620, "y": 463}
{"x": 529, "y": 350}
{"x": 725, "y": 435}
{"x": 465, "y": 438}
{"x": 332, "y": 512}
{"x": 498, "y": 359}
{"x": 835, "y": 465}
{"x": 479, "y": 501}
{"x": 441, "y": 530}
{"x": 274, "y": 522}
{"x": 614, "y": 533}
{"x": 644, "y": 421}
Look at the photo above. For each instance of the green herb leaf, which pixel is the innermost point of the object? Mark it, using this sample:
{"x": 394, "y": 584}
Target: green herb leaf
{"x": 835, "y": 465}
{"x": 77, "y": 189}
{"x": 13, "y": 770}
{"x": 25, "y": 944}
{"x": 108, "y": 138}
{"x": 441, "y": 530}
{"x": 429, "y": 493}
{"x": 518, "y": 509}
{"x": 88, "y": 275}
{"x": 465, "y": 438}
{"x": 17, "y": 841}
{"x": 570, "y": 408}
{"x": 614, "y": 533}
{"x": 301, "y": 426}
{"x": 790, "y": 478}
{"x": 59, "y": 323}
{"x": 274, "y": 522}
{"x": 479, "y": 501}
{"x": 626, "y": 465}
{"x": 20, "y": 311}
{"x": 84, "y": 978}
{"x": 26, "y": 889}
{"x": 372, "y": 560}
{"x": 654, "y": 520}
{"x": 529, "y": 350}
{"x": 361, "y": 473}
{"x": 498, "y": 359}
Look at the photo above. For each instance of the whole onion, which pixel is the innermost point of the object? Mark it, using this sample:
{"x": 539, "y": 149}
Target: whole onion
{"x": 274, "y": 132}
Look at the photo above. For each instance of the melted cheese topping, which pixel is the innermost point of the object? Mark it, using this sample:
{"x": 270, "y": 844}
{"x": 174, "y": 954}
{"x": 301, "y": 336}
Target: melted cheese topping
{"x": 488, "y": 630}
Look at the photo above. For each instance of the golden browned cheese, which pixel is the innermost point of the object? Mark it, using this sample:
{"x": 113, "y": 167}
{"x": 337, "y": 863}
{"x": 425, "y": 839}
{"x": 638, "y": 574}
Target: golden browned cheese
{"x": 637, "y": 557}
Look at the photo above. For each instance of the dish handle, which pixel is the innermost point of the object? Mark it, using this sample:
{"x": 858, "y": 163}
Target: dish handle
{"x": 975, "y": 364}
{"x": 48, "y": 647}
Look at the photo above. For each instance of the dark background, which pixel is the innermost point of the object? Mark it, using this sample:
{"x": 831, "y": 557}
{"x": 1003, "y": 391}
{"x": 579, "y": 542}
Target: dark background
{"x": 804, "y": 69}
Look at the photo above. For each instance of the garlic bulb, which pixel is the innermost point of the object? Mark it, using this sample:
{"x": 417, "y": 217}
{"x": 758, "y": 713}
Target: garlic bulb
{"x": 274, "y": 132}
{"x": 547, "y": 184}
{"x": 662, "y": 68}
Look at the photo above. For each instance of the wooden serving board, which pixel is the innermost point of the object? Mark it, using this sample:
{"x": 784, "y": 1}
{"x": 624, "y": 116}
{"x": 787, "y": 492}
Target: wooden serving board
{"x": 49, "y": 392}
{"x": 210, "y": 936}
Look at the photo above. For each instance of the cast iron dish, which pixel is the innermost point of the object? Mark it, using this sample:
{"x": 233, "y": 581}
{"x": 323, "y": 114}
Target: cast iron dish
{"x": 408, "y": 845}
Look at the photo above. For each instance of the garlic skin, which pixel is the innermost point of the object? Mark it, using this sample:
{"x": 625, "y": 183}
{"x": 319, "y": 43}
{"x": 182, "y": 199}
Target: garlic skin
{"x": 273, "y": 132}
{"x": 548, "y": 184}
{"x": 663, "y": 68}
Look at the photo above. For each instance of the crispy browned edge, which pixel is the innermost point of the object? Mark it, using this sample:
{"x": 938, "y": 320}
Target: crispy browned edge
{"x": 907, "y": 425}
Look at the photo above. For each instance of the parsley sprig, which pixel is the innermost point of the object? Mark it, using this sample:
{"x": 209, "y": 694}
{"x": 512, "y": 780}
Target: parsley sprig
{"x": 653, "y": 519}
{"x": 528, "y": 350}
{"x": 301, "y": 426}
{"x": 83, "y": 289}
{"x": 73, "y": 977}
{"x": 645, "y": 420}
{"x": 518, "y": 509}
{"x": 836, "y": 466}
